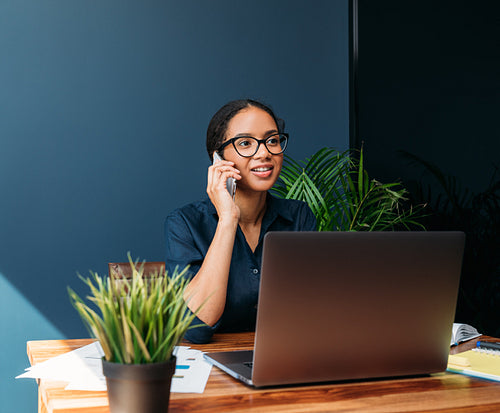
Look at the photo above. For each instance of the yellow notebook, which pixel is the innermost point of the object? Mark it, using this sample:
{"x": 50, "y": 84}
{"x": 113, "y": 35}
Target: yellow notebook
{"x": 478, "y": 363}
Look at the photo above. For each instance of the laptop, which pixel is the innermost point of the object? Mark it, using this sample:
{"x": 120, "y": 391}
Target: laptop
{"x": 337, "y": 306}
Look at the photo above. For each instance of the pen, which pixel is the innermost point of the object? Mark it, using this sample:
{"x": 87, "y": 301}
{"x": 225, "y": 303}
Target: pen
{"x": 488, "y": 346}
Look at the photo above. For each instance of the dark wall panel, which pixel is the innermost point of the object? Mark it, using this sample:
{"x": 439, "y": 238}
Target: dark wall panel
{"x": 429, "y": 84}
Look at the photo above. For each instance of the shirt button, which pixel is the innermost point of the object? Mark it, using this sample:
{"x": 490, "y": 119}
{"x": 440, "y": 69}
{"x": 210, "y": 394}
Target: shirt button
{"x": 255, "y": 271}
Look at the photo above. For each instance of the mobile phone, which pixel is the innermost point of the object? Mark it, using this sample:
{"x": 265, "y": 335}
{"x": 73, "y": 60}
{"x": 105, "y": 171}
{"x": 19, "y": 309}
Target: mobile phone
{"x": 230, "y": 182}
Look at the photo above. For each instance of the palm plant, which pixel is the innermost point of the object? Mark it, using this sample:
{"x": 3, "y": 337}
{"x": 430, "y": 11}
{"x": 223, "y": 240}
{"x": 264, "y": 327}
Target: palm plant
{"x": 138, "y": 321}
{"x": 337, "y": 188}
{"x": 453, "y": 206}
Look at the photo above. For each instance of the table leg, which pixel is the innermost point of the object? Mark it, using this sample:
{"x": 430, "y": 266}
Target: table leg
{"x": 41, "y": 405}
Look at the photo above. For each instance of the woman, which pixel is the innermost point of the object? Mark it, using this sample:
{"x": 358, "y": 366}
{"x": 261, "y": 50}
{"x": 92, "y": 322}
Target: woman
{"x": 221, "y": 238}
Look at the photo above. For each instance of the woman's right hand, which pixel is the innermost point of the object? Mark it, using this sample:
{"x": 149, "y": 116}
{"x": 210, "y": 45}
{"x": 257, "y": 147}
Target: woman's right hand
{"x": 209, "y": 285}
{"x": 218, "y": 173}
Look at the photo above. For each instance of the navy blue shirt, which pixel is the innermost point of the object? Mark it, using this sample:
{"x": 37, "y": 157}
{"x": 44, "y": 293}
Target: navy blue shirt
{"x": 189, "y": 232}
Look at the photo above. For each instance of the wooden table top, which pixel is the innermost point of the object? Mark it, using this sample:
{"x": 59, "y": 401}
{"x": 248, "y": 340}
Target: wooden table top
{"x": 442, "y": 392}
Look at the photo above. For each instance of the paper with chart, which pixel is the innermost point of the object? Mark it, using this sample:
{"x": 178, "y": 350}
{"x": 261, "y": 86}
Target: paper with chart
{"x": 82, "y": 370}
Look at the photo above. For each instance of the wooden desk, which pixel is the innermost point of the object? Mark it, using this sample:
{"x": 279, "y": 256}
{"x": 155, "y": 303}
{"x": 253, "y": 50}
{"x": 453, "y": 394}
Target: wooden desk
{"x": 443, "y": 392}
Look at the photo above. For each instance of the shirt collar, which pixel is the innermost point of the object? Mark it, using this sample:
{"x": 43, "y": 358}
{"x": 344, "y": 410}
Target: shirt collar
{"x": 278, "y": 206}
{"x": 210, "y": 207}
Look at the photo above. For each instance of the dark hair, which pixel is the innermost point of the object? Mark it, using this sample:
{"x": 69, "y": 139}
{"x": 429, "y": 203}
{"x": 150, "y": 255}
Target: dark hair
{"x": 217, "y": 127}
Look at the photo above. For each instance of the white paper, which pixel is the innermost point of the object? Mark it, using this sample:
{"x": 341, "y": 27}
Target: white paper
{"x": 191, "y": 374}
{"x": 82, "y": 362}
{"x": 82, "y": 370}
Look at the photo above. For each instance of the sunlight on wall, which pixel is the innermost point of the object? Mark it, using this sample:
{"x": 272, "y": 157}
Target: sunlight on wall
{"x": 20, "y": 322}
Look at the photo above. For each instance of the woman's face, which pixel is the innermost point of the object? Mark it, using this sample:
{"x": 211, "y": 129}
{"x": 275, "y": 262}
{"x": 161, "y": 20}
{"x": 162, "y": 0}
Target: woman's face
{"x": 259, "y": 172}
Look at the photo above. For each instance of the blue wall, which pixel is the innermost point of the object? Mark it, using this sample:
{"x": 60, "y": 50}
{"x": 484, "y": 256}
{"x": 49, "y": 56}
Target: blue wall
{"x": 103, "y": 112}
{"x": 21, "y": 322}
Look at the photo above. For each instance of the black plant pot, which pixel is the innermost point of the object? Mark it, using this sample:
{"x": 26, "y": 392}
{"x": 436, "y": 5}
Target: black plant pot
{"x": 134, "y": 388}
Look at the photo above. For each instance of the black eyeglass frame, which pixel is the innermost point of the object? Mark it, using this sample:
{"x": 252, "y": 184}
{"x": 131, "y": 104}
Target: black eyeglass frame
{"x": 259, "y": 141}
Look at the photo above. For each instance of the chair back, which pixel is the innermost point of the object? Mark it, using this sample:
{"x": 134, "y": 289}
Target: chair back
{"x": 123, "y": 269}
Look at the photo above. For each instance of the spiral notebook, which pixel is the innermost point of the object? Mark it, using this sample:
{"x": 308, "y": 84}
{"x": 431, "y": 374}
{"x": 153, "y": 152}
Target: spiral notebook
{"x": 480, "y": 363}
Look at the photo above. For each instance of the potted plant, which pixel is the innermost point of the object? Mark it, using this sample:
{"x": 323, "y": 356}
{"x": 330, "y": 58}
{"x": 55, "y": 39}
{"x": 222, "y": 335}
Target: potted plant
{"x": 138, "y": 323}
{"x": 341, "y": 195}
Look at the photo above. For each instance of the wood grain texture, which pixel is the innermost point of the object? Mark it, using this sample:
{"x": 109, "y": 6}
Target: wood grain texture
{"x": 443, "y": 392}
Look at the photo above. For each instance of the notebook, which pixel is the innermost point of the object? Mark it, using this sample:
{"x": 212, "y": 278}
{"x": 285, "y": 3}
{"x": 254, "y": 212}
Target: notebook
{"x": 462, "y": 332}
{"x": 351, "y": 305}
{"x": 477, "y": 363}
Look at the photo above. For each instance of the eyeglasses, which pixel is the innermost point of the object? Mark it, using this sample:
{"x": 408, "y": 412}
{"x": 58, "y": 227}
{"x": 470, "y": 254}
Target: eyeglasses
{"x": 247, "y": 146}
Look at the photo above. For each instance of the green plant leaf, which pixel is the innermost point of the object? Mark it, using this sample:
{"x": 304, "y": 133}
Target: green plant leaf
{"x": 141, "y": 320}
{"x": 342, "y": 196}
